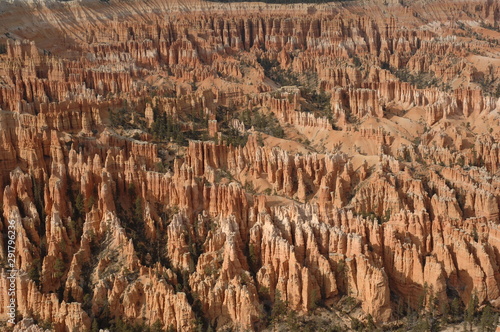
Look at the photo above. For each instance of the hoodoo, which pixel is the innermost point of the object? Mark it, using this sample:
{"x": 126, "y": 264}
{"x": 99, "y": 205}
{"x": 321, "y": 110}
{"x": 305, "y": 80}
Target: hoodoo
{"x": 249, "y": 166}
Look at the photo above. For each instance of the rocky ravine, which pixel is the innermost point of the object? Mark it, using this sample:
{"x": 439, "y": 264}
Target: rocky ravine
{"x": 190, "y": 165}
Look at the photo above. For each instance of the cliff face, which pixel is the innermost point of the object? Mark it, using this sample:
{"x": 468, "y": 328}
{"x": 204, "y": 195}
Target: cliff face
{"x": 190, "y": 171}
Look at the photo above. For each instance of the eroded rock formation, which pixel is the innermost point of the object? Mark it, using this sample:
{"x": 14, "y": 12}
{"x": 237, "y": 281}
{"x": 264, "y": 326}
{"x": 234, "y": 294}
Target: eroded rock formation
{"x": 191, "y": 170}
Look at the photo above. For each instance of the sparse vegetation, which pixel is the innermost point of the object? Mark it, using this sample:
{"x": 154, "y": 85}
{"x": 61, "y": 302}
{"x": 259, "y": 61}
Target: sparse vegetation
{"x": 489, "y": 319}
{"x": 59, "y": 268}
{"x": 273, "y": 70}
{"x": 318, "y": 103}
{"x": 234, "y": 137}
{"x": 490, "y": 26}
{"x": 490, "y": 84}
{"x": 34, "y": 271}
{"x": 165, "y": 128}
{"x": 420, "y": 80}
{"x": 265, "y": 123}
{"x": 121, "y": 118}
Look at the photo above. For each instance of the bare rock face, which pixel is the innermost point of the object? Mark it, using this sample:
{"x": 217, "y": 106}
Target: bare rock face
{"x": 195, "y": 166}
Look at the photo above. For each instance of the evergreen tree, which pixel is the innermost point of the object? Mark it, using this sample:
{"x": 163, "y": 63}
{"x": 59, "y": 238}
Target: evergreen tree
{"x": 95, "y": 326}
{"x": 489, "y": 320}
{"x": 59, "y": 268}
{"x": 456, "y": 309}
{"x": 471, "y": 311}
